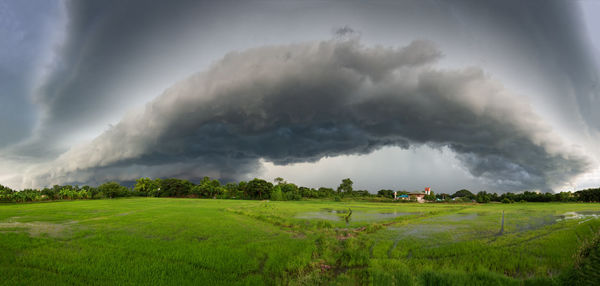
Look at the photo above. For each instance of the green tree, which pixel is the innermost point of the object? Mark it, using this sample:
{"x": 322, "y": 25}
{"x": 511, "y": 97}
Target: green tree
{"x": 146, "y": 186}
{"x": 464, "y": 193}
{"x": 6, "y": 194}
{"x": 259, "y": 189}
{"x": 442, "y": 196}
{"x": 112, "y": 190}
{"x": 430, "y": 197}
{"x": 241, "y": 190}
{"x": 66, "y": 194}
{"x": 482, "y": 197}
{"x": 361, "y": 193}
{"x": 279, "y": 180}
{"x": 5, "y": 190}
{"x": 291, "y": 192}
{"x": 345, "y": 187}
{"x": 208, "y": 188}
{"x": 562, "y": 197}
{"x": 386, "y": 193}
{"x": 232, "y": 191}
{"x": 173, "y": 187}
{"x": 588, "y": 195}
{"x": 325, "y": 192}
{"x": 84, "y": 194}
{"x": 277, "y": 194}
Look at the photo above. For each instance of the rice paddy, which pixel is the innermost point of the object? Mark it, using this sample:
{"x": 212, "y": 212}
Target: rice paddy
{"x": 232, "y": 242}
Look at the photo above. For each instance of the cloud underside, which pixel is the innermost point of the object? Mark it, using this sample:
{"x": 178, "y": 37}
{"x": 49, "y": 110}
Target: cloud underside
{"x": 303, "y": 102}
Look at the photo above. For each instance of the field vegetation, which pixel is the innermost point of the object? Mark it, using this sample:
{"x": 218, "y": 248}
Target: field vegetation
{"x": 181, "y": 241}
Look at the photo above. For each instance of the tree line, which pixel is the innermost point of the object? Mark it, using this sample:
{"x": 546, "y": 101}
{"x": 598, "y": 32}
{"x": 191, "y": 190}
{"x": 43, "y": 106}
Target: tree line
{"x": 256, "y": 189}
{"x": 259, "y": 189}
{"x": 587, "y": 195}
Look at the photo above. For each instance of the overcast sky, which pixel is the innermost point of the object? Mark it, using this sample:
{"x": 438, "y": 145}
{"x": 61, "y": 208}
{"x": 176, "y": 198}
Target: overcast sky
{"x": 484, "y": 95}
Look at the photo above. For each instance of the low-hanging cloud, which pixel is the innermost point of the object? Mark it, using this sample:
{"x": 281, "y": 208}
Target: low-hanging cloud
{"x": 303, "y": 102}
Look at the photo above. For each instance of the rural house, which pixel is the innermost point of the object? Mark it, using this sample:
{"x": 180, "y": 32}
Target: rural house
{"x": 419, "y": 196}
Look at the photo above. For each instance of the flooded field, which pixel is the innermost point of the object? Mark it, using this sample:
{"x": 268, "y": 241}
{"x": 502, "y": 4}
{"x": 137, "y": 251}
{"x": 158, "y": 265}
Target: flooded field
{"x": 579, "y": 215}
{"x": 291, "y": 242}
{"x": 350, "y": 215}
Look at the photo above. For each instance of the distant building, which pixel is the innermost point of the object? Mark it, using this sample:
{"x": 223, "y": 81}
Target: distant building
{"x": 401, "y": 197}
{"x": 420, "y": 197}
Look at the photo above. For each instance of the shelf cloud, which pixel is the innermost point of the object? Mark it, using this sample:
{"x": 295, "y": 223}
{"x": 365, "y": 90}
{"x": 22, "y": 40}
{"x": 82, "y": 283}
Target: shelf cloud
{"x": 477, "y": 94}
{"x": 306, "y": 101}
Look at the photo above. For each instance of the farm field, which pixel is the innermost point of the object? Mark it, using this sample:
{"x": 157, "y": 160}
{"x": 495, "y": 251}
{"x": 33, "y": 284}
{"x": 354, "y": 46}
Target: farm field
{"x": 153, "y": 241}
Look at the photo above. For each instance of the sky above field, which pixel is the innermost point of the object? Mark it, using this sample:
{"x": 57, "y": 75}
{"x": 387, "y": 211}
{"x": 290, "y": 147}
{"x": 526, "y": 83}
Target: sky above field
{"x": 484, "y": 95}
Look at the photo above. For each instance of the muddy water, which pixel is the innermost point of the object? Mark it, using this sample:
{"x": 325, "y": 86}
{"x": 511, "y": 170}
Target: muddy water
{"x": 320, "y": 215}
{"x": 365, "y": 216}
{"x": 533, "y": 222}
{"x": 585, "y": 215}
{"x": 457, "y": 217}
{"x": 357, "y": 216}
{"x": 460, "y": 225}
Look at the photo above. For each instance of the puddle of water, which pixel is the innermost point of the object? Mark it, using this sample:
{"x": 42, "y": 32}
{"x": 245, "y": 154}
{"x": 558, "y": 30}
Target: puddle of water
{"x": 320, "y": 215}
{"x": 357, "y": 216}
{"x": 587, "y": 215}
{"x": 339, "y": 211}
{"x": 534, "y": 222}
{"x": 457, "y": 217}
{"x": 364, "y": 216}
{"x": 485, "y": 223}
{"x": 485, "y": 226}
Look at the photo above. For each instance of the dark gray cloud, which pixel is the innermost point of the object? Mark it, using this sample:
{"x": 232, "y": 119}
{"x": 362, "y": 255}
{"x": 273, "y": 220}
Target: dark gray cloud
{"x": 302, "y": 102}
{"x": 549, "y": 35}
{"x": 21, "y": 51}
{"x": 114, "y": 46}
{"x": 345, "y": 32}
{"x": 120, "y": 54}
{"x": 101, "y": 54}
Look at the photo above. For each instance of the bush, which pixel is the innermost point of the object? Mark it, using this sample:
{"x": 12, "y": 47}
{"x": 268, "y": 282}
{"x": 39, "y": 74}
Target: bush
{"x": 259, "y": 189}
{"x": 337, "y": 199}
{"x": 506, "y": 201}
{"x": 173, "y": 187}
{"x": 113, "y": 190}
{"x": 292, "y": 196}
{"x": 84, "y": 194}
{"x": 99, "y": 195}
{"x": 277, "y": 195}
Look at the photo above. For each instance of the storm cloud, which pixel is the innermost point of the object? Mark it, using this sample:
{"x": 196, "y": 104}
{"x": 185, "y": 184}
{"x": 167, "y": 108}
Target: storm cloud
{"x": 302, "y": 102}
{"x": 117, "y": 53}
{"x": 501, "y": 97}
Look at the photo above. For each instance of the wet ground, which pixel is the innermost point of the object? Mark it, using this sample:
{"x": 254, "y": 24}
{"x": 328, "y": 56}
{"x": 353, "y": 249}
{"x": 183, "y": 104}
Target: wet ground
{"x": 36, "y": 229}
{"x": 356, "y": 216}
{"x": 484, "y": 224}
{"x": 457, "y": 217}
{"x": 579, "y": 215}
{"x": 455, "y": 226}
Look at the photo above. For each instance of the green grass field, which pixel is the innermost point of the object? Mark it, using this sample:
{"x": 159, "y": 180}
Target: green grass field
{"x": 153, "y": 241}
